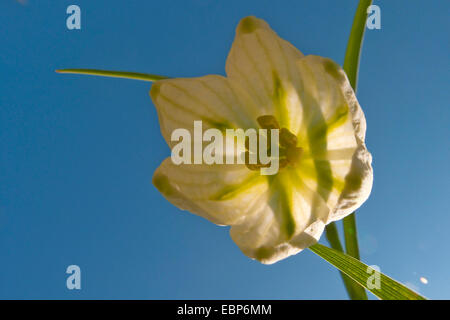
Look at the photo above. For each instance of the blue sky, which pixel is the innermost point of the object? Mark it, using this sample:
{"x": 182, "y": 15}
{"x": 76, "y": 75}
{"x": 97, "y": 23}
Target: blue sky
{"x": 77, "y": 153}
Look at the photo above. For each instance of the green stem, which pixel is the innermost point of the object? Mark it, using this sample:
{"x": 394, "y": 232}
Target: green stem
{"x": 114, "y": 74}
{"x": 354, "y": 45}
{"x": 351, "y": 236}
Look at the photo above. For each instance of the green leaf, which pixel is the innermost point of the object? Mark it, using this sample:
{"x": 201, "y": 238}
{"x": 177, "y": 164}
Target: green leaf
{"x": 114, "y": 74}
{"x": 354, "y": 290}
{"x": 389, "y": 289}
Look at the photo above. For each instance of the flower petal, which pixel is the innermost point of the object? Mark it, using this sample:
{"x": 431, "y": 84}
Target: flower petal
{"x": 211, "y": 99}
{"x": 264, "y": 66}
{"x": 289, "y": 219}
{"x": 223, "y": 194}
{"x": 333, "y": 132}
{"x": 271, "y": 218}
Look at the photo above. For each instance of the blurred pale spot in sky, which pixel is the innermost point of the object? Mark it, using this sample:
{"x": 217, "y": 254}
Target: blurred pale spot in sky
{"x": 424, "y": 280}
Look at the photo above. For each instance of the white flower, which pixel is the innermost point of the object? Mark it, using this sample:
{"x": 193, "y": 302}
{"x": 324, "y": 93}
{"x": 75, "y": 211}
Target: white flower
{"x": 271, "y": 217}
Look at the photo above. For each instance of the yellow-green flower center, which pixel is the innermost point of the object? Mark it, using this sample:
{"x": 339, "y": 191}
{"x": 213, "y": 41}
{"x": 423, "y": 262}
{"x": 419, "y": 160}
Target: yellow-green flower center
{"x": 289, "y": 153}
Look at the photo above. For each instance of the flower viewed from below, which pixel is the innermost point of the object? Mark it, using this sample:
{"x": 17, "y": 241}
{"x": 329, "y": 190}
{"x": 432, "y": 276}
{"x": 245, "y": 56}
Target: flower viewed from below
{"x": 325, "y": 170}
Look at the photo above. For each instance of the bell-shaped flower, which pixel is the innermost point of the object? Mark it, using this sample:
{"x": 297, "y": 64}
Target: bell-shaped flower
{"x": 324, "y": 171}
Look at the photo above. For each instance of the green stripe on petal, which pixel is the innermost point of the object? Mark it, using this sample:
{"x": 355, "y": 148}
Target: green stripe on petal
{"x": 339, "y": 118}
{"x": 282, "y": 204}
{"x": 181, "y": 101}
{"x": 317, "y": 140}
{"x": 232, "y": 191}
{"x": 279, "y": 100}
{"x": 324, "y": 178}
{"x": 250, "y": 24}
{"x": 326, "y": 112}
{"x": 333, "y": 69}
{"x": 162, "y": 183}
{"x": 263, "y": 253}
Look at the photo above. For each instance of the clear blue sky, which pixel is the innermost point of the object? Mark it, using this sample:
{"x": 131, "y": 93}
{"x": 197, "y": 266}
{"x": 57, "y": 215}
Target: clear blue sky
{"x": 77, "y": 153}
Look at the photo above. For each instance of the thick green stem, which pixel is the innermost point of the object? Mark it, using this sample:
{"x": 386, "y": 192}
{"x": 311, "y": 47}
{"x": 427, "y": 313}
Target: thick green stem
{"x": 351, "y": 236}
{"x": 354, "y": 45}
